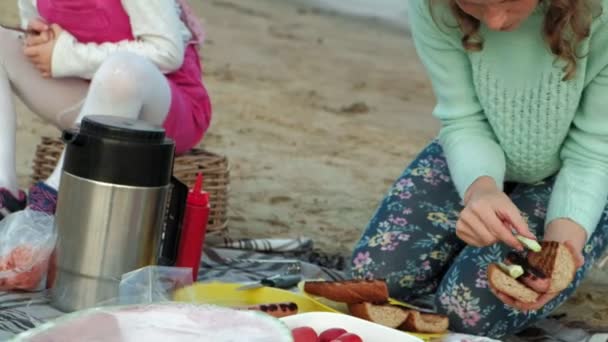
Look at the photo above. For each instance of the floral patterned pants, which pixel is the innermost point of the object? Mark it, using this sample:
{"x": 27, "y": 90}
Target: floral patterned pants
{"x": 411, "y": 242}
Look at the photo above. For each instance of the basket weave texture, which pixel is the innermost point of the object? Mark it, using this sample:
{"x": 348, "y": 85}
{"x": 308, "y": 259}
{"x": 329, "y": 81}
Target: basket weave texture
{"x": 214, "y": 167}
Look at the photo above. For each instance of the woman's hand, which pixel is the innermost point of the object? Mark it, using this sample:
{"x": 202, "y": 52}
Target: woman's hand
{"x": 488, "y": 217}
{"x": 544, "y": 298}
{"x": 570, "y": 233}
{"x": 41, "y": 54}
{"x": 574, "y": 237}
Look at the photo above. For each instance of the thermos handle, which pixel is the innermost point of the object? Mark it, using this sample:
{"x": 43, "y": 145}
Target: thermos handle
{"x": 173, "y": 221}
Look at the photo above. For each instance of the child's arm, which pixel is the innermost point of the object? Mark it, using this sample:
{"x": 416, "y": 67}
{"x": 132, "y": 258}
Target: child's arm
{"x": 581, "y": 187}
{"x": 468, "y": 140}
{"x": 27, "y": 12}
{"x": 156, "y": 26}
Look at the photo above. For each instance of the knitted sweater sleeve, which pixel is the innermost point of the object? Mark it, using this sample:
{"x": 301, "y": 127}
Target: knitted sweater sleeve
{"x": 581, "y": 187}
{"x": 469, "y": 143}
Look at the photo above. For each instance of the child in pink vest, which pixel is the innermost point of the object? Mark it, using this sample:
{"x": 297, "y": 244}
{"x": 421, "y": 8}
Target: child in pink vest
{"x": 128, "y": 58}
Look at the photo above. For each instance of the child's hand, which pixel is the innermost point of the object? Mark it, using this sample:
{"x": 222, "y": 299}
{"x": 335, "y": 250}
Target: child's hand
{"x": 41, "y": 54}
{"x": 489, "y": 216}
{"x": 39, "y": 32}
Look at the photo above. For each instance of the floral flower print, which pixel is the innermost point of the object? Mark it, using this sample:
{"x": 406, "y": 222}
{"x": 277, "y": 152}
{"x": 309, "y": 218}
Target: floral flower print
{"x": 411, "y": 242}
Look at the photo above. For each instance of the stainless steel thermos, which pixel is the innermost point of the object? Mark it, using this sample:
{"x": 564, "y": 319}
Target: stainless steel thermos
{"x": 112, "y": 205}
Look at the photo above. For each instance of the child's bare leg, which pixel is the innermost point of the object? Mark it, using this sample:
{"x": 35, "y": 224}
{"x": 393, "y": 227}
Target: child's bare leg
{"x": 8, "y": 173}
{"x": 50, "y": 98}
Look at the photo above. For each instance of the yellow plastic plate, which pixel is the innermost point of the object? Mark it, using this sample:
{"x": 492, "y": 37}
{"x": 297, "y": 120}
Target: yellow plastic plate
{"x": 343, "y": 308}
{"x": 226, "y": 294}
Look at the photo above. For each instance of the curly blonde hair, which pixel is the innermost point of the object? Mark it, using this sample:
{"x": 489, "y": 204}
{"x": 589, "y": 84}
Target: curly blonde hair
{"x": 567, "y": 24}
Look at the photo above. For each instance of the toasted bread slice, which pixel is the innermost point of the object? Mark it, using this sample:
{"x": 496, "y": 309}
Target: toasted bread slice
{"x": 502, "y": 282}
{"x": 387, "y": 315}
{"x": 397, "y": 317}
{"x": 425, "y": 323}
{"x": 349, "y": 291}
{"x": 557, "y": 262}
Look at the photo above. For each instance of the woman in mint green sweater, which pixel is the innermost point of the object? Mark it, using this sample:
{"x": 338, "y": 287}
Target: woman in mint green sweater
{"x": 522, "y": 94}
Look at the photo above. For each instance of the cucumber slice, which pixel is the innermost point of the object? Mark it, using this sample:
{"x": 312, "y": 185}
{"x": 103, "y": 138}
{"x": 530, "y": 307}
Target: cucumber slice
{"x": 530, "y": 244}
{"x": 514, "y": 271}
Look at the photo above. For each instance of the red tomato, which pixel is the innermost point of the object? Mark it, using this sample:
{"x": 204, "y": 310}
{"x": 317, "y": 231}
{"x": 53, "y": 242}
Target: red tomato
{"x": 304, "y": 334}
{"x": 348, "y": 337}
{"x": 331, "y": 334}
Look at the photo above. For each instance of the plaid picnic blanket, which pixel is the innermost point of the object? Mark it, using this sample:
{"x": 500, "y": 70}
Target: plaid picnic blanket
{"x": 229, "y": 260}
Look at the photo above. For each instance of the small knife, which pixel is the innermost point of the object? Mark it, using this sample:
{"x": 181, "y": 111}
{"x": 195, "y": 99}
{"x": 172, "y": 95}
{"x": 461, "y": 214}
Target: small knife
{"x": 521, "y": 260}
{"x": 411, "y": 306}
{"x": 281, "y": 281}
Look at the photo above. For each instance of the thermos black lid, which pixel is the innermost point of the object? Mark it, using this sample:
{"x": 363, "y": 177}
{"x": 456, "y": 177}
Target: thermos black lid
{"x": 120, "y": 151}
{"x": 113, "y": 127}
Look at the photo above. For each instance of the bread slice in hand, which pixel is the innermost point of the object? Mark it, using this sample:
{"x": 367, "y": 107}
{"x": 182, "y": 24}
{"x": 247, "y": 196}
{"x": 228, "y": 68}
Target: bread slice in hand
{"x": 394, "y": 316}
{"x": 499, "y": 281}
{"x": 388, "y": 315}
{"x": 557, "y": 262}
{"x": 425, "y": 323}
{"x": 349, "y": 291}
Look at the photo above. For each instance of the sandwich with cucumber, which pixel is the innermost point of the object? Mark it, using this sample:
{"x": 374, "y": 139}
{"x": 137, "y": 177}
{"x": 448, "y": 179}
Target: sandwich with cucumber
{"x": 548, "y": 267}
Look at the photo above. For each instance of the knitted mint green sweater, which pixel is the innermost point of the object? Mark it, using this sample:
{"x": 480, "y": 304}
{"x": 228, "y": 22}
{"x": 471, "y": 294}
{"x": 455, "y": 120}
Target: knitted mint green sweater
{"x": 507, "y": 114}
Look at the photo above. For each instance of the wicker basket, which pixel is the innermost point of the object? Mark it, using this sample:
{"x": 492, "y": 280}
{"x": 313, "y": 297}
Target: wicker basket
{"x": 215, "y": 168}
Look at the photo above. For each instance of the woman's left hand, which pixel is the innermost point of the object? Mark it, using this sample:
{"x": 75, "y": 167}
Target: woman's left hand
{"x": 574, "y": 237}
{"x": 41, "y": 55}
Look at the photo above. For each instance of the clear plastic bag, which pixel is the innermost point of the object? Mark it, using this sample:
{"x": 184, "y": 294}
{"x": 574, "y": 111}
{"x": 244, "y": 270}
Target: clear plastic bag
{"x": 153, "y": 284}
{"x": 27, "y": 240}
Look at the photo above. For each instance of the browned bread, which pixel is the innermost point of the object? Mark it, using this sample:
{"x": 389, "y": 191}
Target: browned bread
{"x": 387, "y": 315}
{"x": 425, "y": 323}
{"x": 394, "y": 316}
{"x": 499, "y": 281}
{"x": 557, "y": 262}
{"x": 349, "y": 291}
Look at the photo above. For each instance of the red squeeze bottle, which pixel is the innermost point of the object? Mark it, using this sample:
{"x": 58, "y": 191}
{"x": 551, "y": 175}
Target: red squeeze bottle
{"x": 194, "y": 227}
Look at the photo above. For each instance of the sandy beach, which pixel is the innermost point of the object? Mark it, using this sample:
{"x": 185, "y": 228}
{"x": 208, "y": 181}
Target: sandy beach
{"x": 318, "y": 113}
